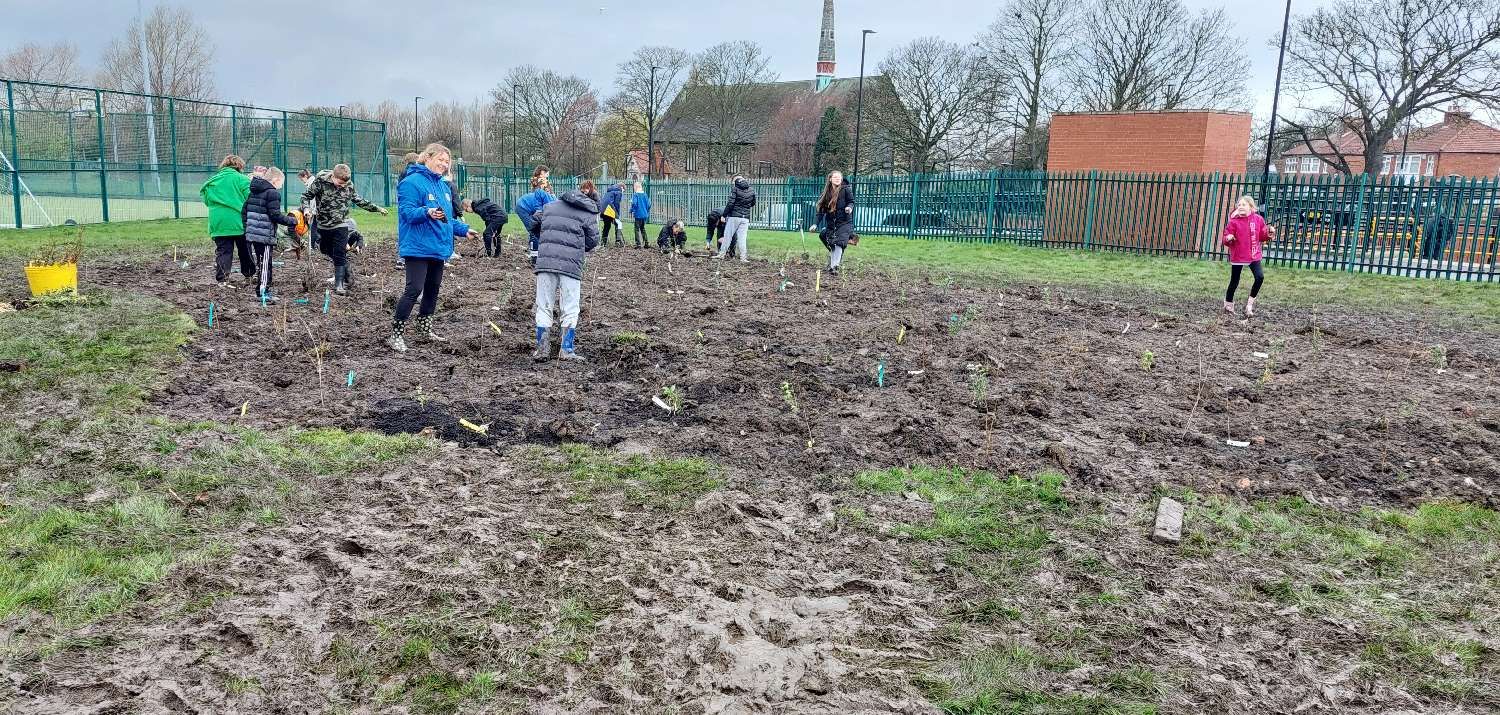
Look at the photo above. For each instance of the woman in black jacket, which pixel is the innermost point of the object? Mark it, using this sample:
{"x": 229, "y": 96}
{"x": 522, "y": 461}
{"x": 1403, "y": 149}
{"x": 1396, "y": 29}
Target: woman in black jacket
{"x": 836, "y": 215}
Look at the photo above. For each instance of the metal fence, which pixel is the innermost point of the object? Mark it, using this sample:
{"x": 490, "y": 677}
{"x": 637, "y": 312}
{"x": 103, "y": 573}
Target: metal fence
{"x": 1418, "y": 227}
{"x": 88, "y": 155}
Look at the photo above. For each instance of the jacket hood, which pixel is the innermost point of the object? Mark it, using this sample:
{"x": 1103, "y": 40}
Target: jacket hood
{"x": 742, "y": 183}
{"x": 577, "y": 198}
{"x": 416, "y": 169}
{"x": 260, "y": 184}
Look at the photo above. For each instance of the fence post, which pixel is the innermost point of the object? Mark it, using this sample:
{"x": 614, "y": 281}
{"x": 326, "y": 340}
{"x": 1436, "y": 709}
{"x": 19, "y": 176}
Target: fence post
{"x": 103, "y": 177}
{"x": 15, "y": 152}
{"x": 1211, "y": 227}
{"x": 285, "y": 158}
{"x": 788, "y": 201}
{"x": 1356, "y": 236}
{"x": 172, "y": 123}
{"x": 989, "y": 213}
{"x": 911, "y": 221}
{"x": 1093, "y": 197}
{"x": 234, "y": 129}
{"x": 385, "y": 162}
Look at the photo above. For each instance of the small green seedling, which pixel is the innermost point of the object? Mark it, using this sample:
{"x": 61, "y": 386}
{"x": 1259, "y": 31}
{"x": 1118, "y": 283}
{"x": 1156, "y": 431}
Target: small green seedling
{"x": 1148, "y": 359}
{"x": 672, "y": 395}
{"x": 1440, "y": 357}
{"x": 789, "y": 398}
{"x": 979, "y": 383}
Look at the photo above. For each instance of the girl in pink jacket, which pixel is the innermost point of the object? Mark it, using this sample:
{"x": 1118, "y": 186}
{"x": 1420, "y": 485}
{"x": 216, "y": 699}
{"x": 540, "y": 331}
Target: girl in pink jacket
{"x": 1243, "y": 236}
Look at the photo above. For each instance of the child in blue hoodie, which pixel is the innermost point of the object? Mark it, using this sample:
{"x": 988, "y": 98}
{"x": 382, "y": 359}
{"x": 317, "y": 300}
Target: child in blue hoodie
{"x": 528, "y": 206}
{"x": 640, "y": 210}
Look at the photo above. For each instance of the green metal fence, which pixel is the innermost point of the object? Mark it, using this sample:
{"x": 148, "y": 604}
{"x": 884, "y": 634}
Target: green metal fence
{"x": 1417, "y": 227}
{"x": 88, "y": 155}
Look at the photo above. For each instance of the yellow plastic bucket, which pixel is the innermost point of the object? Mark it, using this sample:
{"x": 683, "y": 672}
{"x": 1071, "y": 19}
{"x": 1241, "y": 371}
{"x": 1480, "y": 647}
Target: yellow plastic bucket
{"x": 52, "y": 279}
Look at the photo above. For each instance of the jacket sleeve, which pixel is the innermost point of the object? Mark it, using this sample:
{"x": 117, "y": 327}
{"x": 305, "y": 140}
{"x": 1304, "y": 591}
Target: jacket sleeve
{"x": 460, "y": 229}
{"x": 409, "y": 205}
{"x": 310, "y": 195}
{"x": 364, "y": 204}
{"x": 273, "y": 201}
{"x": 590, "y": 235}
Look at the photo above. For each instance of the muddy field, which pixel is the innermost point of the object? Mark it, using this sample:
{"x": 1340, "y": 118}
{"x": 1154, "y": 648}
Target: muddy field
{"x": 1121, "y": 394}
{"x": 757, "y": 597}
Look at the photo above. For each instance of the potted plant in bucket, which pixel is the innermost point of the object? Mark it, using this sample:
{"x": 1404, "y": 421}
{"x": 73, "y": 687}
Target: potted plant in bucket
{"x": 54, "y": 268}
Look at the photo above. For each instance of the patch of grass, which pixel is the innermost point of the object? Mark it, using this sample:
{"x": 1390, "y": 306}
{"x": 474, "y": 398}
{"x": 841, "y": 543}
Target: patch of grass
{"x": 977, "y": 510}
{"x": 241, "y": 684}
{"x": 663, "y": 483}
{"x": 68, "y": 346}
{"x": 630, "y": 337}
{"x": 1007, "y": 680}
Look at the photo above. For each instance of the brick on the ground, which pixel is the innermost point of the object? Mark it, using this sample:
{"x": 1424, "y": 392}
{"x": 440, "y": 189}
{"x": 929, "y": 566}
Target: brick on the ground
{"x": 1168, "y": 529}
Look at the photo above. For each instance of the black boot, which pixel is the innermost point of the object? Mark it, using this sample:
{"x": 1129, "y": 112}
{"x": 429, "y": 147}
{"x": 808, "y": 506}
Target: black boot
{"x": 396, "y": 341}
{"x": 341, "y": 280}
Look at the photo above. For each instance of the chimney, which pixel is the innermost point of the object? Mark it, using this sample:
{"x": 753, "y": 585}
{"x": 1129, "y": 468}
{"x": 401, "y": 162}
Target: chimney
{"x": 1456, "y": 114}
{"x": 825, "y": 48}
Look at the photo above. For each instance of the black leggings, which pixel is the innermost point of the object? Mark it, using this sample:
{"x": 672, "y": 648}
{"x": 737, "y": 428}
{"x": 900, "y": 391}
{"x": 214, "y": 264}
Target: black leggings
{"x": 640, "y": 233}
{"x": 424, "y": 277}
{"x": 1234, "y": 280}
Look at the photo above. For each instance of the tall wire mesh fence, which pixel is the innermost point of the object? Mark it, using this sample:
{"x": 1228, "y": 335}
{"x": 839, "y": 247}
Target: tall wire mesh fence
{"x": 87, "y": 155}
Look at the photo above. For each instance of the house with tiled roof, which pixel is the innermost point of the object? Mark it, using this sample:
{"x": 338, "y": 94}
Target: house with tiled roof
{"x": 635, "y": 166}
{"x": 1458, "y": 146}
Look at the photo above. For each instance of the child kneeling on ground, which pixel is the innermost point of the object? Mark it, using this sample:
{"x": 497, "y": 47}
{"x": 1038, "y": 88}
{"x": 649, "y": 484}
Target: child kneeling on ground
{"x": 262, "y": 214}
{"x": 568, "y": 228}
{"x": 673, "y": 237}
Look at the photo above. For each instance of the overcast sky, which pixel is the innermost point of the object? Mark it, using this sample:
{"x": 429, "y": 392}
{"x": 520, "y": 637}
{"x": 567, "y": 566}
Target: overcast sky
{"x": 331, "y": 52}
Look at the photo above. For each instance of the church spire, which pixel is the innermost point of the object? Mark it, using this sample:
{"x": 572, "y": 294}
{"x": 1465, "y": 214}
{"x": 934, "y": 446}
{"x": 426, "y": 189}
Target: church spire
{"x": 825, "y": 47}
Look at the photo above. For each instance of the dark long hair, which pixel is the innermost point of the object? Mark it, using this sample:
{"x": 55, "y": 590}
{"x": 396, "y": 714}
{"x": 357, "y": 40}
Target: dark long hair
{"x": 830, "y": 198}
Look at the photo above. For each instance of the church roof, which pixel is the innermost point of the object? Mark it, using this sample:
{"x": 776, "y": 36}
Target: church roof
{"x": 691, "y": 118}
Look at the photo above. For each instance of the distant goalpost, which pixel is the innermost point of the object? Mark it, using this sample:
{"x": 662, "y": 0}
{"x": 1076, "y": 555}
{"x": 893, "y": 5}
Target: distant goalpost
{"x": 6, "y": 190}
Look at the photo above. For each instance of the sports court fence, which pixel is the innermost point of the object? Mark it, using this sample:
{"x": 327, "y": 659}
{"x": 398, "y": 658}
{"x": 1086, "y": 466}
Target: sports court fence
{"x": 87, "y": 155}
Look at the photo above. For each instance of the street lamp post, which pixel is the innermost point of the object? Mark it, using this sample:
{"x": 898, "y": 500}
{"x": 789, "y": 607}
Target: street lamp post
{"x": 414, "y": 121}
{"x": 1265, "y": 171}
{"x": 859, "y": 104}
{"x": 651, "y": 127}
{"x": 575, "y": 151}
{"x": 515, "y": 139}
{"x": 342, "y": 107}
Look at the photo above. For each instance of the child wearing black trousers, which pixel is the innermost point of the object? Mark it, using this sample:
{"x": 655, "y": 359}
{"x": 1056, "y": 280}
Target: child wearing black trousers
{"x": 494, "y": 219}
{"x": 715, "y": 229}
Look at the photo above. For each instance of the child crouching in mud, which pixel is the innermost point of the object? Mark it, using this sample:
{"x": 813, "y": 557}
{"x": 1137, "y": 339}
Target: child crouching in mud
{"x": 1243, "y": 237}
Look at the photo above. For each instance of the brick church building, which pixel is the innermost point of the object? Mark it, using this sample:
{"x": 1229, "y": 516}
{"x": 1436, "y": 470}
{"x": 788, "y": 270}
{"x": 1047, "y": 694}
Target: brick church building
{"x": 773, "y": 132}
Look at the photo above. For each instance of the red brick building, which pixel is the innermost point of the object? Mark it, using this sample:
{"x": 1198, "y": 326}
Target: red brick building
{"x": 1458, "y": 146}
{"x": 1165, "y": 141}
{"x": 1131, "y": 214}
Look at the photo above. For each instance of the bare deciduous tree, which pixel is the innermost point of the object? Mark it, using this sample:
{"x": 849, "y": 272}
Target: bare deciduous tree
{"x": 1367, "y": 67}
{"x": 641, "y": 98}
{"x": 933, "y": 101}
{"x": 726, "y": 81}
{"x": 1029, "y": 46}
{"x": 179, "y": 57}
{"x": 1154, "y": 54}
{"x": 51, "y": 64}
{"x": 545, "y": 102}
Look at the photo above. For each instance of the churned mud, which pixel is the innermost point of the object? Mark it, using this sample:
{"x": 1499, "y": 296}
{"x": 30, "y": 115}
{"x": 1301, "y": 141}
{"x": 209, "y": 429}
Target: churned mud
{"x": 754, "y": 594}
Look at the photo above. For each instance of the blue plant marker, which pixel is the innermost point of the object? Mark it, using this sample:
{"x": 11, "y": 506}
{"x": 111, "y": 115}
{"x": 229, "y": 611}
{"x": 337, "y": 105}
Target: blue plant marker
{"x": 262, "y": 300}
{"x": 300, "y": 300}
{"x": 327, "y": 296}
{"x": 210, "y": 314}
{"x": 880, "y": 374}
{"x": 351, "y": 378}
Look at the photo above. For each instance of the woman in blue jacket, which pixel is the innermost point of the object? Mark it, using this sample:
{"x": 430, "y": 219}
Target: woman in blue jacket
{"x": 640, "y": 210}
{"x": 425, "y": 231}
